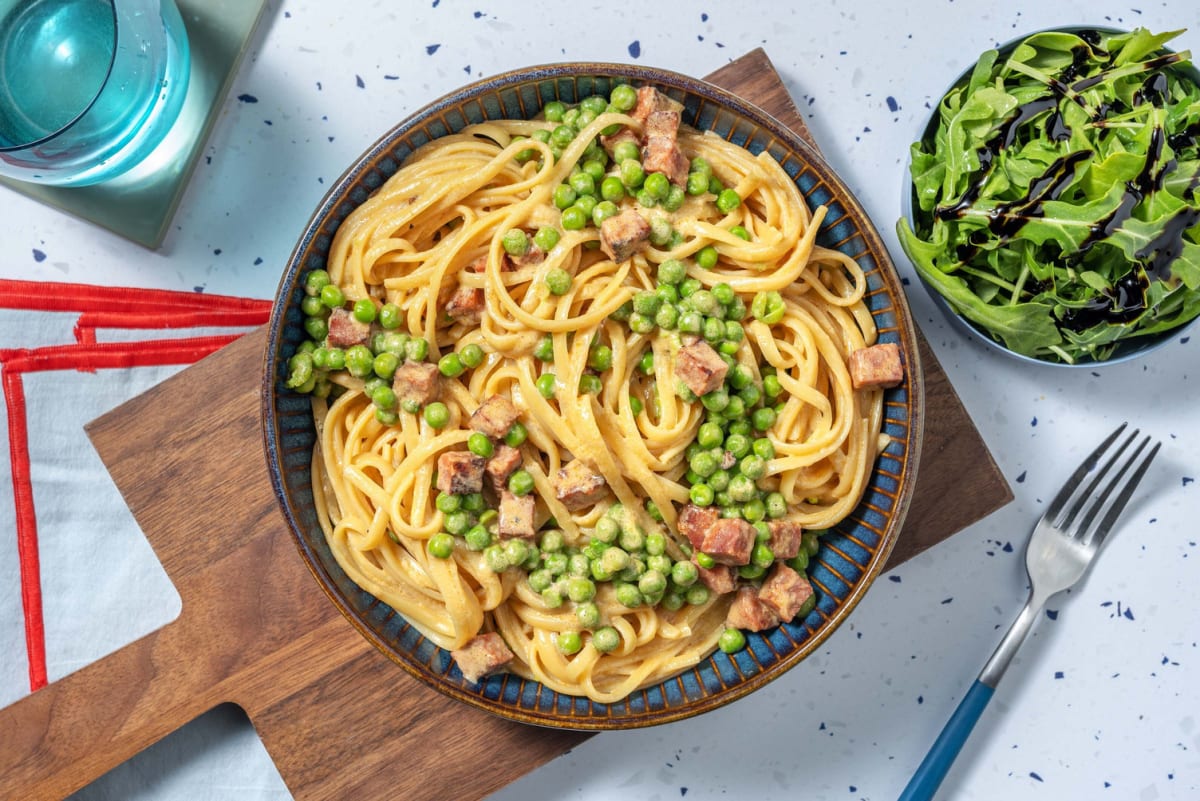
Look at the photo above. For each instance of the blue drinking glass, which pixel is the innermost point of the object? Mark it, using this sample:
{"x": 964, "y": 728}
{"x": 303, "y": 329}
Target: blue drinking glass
{"x": 88, "y": 88}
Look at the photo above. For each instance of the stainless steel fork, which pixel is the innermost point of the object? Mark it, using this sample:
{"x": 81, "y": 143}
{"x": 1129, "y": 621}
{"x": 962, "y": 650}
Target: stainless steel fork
{"x": 1064, "y": 542}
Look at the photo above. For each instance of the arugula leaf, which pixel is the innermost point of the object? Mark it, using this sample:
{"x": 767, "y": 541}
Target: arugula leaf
{"x": 1057, "y": 194}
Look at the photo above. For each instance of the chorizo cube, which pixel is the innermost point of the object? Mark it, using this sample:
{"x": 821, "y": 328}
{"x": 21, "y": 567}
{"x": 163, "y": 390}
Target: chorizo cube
{"x": 876, "y": 366}
{"x": 784, "y": 591}
{"x": 577, "y": 485}
{"x": 345, "y": 331}
{"x": 785, "y": 538}
{"x": 749, "y": 612}
{"x": 466, "y": 305}
{"x": 694, "y": 521}
{"x": 416, "y": 381}
{"x": 495, "y": 416}
{"x": 503, "y": 464}
{"x": 515, "y": 518}
{"x": 720, "y": 579}
{"x": 460, "y": 472}
{"x": 663, "y": 155}
{"x": 650, "y": 100}
{"x": 729, "y": 541}
{"x": 483, "y": 655}
{"x": 700, "y": 368}
{"x": 623, "y": 234}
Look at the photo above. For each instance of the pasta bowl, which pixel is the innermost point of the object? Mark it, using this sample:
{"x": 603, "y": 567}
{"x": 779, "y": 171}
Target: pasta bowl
{"x": 851, "y": 554}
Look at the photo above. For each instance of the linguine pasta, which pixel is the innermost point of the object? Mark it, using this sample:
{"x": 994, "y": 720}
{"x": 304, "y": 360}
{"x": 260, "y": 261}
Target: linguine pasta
{"x": 437, "y": 228}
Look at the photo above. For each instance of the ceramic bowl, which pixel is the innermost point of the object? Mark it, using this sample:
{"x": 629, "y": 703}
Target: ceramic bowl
{"x": 1127, "y": 349}
{"x": 850, "y": 557}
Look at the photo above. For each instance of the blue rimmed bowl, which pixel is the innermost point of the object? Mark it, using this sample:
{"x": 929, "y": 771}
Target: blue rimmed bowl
{"x": 851, "y": 556}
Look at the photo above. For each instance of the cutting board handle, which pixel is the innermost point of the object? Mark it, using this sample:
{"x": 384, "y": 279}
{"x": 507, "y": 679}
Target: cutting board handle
{"x": 76, "y": 729}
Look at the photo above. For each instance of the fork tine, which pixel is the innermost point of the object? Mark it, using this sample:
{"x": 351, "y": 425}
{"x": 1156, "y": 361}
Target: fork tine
{"x": 1089, "y": 501}
{"x": 1117, "y": 505}
{"x": 1077, "y": 477}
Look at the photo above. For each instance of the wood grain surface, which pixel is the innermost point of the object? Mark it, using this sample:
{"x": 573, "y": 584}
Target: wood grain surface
{"x": 255, "y": 630}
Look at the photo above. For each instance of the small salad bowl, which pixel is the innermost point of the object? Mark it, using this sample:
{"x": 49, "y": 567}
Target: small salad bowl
{"x": 1084, "y": 168}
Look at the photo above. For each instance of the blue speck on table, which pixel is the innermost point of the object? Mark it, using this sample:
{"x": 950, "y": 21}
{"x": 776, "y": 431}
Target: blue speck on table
{"x": 431, "y": 49}
{"x": 892, "y": 105}
{"x": 358, "y": 81}
{"x": 38, "y": 255}
{"x": 635, "y": 49}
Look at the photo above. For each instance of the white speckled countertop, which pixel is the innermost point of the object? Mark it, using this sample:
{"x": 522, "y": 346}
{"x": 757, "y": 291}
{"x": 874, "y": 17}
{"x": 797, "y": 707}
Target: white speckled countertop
{"x": 1101, "y": 703}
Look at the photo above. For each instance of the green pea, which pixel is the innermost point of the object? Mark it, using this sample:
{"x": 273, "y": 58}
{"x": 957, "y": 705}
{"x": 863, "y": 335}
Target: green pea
{"x": 558, "y": 281}
{"x": 410, "y": 405}
{"x": 763, "y": 418}
{"x": 728, "y": 200}
{"x": 564, "y": 196}
{"x": 684, "y": 574}
{"x": 569, "y": 642}
{"x": 479, "y": 444}
{"x": 776, "y": 505}
{"x": 385, "y": 365}
{"x": 731, "y": 641}
{"x": 646, "y": 363}
{"x": 578, "y": 565}
{"x": 478, "y": 537}
{"x": 753, "y": 467}
{"x": 544, "y": 349}
{"x": 600, "y": 358}
{"x": 387, "y": 417}
{"x": 583, "y": 183}
{"x": 799, "y": 562}
{"x": 606, "y": 530}
{"x": 574, "y": 218}
{"x": 360, "y": 361}
{"x": 593, "y": 166}
{"x": 588, "y": 615}
{"x": 516, "y": 435}
{"x": 316, "y": 328}
{"x": 554, "y": 110}
{"x": 552, "y": 598}
{"x": 705, "y": 560}
{"x": 437, "y": 415}
{"x": 764, "y": 448}
{"x": 440, "y": 545}
{"x": 640, "y": 323}
{"x": 540, "y": 580}
{"x": 697, "y": 594}
{"x": 713, "y": 331}
{"x": 661, "y": 231}
{"x": 719, "y": 481}
{"x": 667, "y": 317}
{"x": 623, "y": 312}
{"x": 742, "y": 488}
{"x": 707, "y": 257}
{"x": 810, "y": 540}
{"x": 448, "y": 503}
{"x": 736, "y": 310}
{"x": 628, "y": 595}
{"x": 691, "y": 322}
{"x": 416, "y": 349}
{"x": 697, "y": 184}
{"x": 672, "y": 271}
{"x": 647, "y": 303}
{"x": 632, "y": 174}
{"x": 771, "y": 387}
{"x": 515, "y": 242}
{"x": 520, "y": 483}
{"x": 703, "y": 301}
{"x": 704, "y": 464}
{"x": 313, "y": 307}
{"x": 723, "y": 293}
{"x": 624, "y": 151}
{"x": 714, "y": 185}
{"x": 494, "y": 558}
{"x": 740, "y": 232}
{"x": 364, "y": 310}
{"x": 612, "y": 189}
{"x": 451, "y": 365}
{"x": 716, "y": 400}
{"x": 657, "y": 185}
{"x": 623, "y": 96}
{"x": 652, "y": 582}
{"x": 546, "y": 238}
{"x": 301, "y": 370}
{"x": 645, "y": 199}
{"x": 700, "y": 166}
{"x": 604, "y": 210}
{"x": 701, "y": 495}
{"x": 315, "y": 281}
{"x": 580, "y": 590}
{"x": 563, "y": 135}
{"x": 332, "y": 296}
{"x": 674, "y": 199}
{"x": 458, "y": 522}
{"x": 384, "y": 397}
{"x": 606, "y": 639}
{"x": 710, "y": 435}
{"x": 590, "y": 384}
{"x": 635, "y": 405}
{"x": 546, "y": 384}
{"x": 689, "y": 287}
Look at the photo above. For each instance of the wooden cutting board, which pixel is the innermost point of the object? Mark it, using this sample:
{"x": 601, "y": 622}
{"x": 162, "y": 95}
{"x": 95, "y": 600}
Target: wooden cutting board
{"x": 339, "y": 719}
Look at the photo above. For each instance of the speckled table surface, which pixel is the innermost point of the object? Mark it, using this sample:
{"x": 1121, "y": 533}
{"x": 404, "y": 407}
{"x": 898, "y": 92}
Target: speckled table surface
{"x": 1101, "y": 702}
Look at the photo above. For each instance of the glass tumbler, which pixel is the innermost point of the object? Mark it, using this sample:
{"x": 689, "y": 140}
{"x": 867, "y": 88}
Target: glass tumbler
{"x": 88, "y": 88}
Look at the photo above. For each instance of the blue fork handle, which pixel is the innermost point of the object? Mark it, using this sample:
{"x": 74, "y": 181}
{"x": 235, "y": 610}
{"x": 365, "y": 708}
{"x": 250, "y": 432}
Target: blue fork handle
{"x": 925, "y": 782}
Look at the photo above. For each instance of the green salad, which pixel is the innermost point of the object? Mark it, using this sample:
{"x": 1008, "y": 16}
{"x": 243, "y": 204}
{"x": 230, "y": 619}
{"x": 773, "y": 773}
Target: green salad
{"x": 1056, "y": 196}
